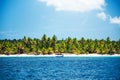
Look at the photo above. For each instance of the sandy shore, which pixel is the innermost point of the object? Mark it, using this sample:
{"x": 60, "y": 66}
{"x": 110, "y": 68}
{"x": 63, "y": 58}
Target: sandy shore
{"x": 26, "y": 55}
{"x": 64, "y": 55}
{"x": 89, "y": 55}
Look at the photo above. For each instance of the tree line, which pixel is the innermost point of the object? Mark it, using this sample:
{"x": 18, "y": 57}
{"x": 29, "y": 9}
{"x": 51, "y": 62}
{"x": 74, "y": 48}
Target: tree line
{"x": 47, "y": 45}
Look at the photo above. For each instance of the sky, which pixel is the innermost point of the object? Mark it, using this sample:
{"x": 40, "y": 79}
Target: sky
{"x": 95, "y": 19}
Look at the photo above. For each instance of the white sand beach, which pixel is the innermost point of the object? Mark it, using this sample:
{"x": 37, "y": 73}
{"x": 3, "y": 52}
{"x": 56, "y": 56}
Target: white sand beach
{"x": 89, "y": 55}
{"x": 63, "y": 55}
{"x": 26, "y": 55}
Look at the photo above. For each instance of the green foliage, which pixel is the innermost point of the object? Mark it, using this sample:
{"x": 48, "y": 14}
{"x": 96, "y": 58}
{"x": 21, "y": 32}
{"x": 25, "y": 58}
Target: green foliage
{"x": 47, "y": 45}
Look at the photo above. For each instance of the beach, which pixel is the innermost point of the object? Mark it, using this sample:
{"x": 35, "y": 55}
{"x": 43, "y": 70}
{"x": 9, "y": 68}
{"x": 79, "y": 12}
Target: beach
{"x": 63, "y": 55}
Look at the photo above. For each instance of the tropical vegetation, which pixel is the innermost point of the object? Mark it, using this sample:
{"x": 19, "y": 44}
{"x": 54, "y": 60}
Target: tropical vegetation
{"x": 47, "y": 45}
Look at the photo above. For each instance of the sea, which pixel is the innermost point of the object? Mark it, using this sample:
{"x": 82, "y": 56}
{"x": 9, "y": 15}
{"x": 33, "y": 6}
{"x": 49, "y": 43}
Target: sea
{"x": 59, "y": 68}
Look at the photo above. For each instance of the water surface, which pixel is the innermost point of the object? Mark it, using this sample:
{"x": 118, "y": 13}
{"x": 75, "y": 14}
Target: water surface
{"x": 56, "y": 68}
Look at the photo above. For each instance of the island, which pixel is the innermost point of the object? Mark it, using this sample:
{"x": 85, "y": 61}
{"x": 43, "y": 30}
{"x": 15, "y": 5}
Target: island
{"x": 52, "y": 46}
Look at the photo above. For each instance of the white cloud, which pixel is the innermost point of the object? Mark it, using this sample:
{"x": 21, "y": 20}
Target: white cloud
{"x": 75, "y": 5}
{"x": 7, "y": 33}
{"x": 115, "y": 20}
{"x": 102, "y": 16}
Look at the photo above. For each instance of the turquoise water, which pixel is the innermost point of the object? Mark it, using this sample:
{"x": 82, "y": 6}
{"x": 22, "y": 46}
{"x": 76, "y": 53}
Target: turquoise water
{"x": 56, "y": 68}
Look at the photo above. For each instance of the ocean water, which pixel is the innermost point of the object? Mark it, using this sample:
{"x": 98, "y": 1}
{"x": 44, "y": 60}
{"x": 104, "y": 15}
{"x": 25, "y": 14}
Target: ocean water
{"x": 59, "y": 68}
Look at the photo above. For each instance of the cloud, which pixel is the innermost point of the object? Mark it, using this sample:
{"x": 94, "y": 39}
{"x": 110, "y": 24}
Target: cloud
{"x": 115, "y": 20}
{"x": 102, "y": 16}
{"x": 7, "y": 33}
{"x": 75, "y": 5}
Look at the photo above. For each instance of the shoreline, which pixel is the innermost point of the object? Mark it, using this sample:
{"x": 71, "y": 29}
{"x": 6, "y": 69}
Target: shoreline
{"x": 63, "y": 55}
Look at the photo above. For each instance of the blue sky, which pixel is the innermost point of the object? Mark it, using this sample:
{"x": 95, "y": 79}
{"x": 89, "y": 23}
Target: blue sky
{"x": 74, "y": 18}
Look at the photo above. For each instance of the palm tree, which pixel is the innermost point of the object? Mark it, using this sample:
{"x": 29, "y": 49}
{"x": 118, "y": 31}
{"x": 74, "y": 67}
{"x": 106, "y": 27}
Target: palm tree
{"x": 54, "y": 42}
{"x": 47, "y": 45}
{"x": 44, "y": 40}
